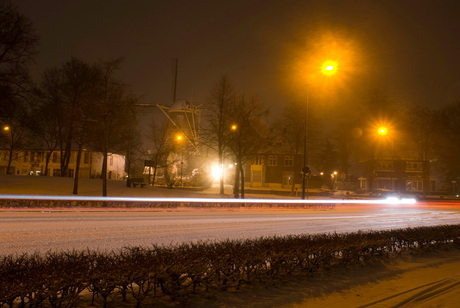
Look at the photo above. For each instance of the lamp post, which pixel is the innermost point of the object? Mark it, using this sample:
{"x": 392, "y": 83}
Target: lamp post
{"x": 305, "y": 168}
{"x": 328, "y": 68}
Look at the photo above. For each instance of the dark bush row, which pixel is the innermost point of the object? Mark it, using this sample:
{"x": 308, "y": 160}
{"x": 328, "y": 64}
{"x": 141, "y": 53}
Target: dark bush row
{"x": 107, "y": 203}
{"x": 138, "y": 273}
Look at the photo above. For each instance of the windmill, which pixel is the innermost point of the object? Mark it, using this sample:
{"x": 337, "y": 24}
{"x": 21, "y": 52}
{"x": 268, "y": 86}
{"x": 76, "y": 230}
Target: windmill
{"x": 183, "y": 115}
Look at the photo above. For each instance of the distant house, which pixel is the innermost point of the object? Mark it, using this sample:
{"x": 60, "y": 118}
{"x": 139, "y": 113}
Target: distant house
{"x": 408, "y": 175}
{"x": 32, "y": 162}
{"x": 274, "y": 170}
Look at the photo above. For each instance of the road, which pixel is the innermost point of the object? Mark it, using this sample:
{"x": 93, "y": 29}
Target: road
{"x": 40, "y": 230}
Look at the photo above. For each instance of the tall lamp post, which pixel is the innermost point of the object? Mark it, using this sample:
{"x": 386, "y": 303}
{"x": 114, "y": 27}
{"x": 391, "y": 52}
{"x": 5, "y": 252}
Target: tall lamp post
{"x": 305, "y": 168}
{"x": 328, "y": 68}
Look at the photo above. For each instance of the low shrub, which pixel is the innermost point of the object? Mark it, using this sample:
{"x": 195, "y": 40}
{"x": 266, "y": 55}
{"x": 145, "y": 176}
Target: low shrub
{"x": 59, "y": 279}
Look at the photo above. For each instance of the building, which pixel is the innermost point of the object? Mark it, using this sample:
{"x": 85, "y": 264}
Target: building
{"x": 274, "y": 170}
{"x": 395, "y": 174}
{"x": 33, "y": 162}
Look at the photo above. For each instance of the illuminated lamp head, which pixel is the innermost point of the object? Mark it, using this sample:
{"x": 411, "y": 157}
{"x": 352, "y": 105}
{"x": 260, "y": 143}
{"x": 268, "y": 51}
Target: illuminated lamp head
{"x": 329, "y": 68}
{"x": 382, "y": 131}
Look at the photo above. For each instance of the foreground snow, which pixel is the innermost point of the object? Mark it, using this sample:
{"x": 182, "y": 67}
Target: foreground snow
{"x": 423, "y": 281}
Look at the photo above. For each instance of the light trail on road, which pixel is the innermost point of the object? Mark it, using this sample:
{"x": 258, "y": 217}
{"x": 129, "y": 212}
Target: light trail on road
{"x": 394, "y": 201}
{"x": 43, "y": 229}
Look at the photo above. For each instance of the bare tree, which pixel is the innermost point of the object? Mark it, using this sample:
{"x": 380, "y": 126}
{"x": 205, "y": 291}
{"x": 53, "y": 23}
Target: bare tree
{"x": 77, "y": 94}
{"x": 216, "y": 136}
{"x": 131, "y": 146}
{"x": 422, "y": 136}
{"x": 17, "y": 47}
{"x": 48, "y": 120}
{"x": 290, "y": 128}
{"x": 112, "y": 111}
{"x": 160, "y": 137}
{"x": 248, "y": 135}
{"x": 13, "y": 131}
{"x": 445, "y": 124}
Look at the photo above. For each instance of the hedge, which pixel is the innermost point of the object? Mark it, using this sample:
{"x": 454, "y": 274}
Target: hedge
{"x": 60, "y": 279}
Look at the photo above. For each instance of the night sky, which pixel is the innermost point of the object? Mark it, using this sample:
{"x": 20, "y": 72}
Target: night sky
{"x": 407, "y": 49}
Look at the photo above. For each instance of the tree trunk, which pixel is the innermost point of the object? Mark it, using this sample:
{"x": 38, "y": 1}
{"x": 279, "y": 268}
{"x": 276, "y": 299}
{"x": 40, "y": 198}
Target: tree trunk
{"x": 77, "y": 170}
{"x": 168, "y": 182}
{"x": 65, "y": 156}
{"x": 10, "y": 158}
{"x": 221, "y": 179}
{"x": 236, "y": 185}
{"x": 154, "y": 175}
{"x": 242, "y": 179}
{"x": 47, "y": 162}
{"x": 104, "y": 174}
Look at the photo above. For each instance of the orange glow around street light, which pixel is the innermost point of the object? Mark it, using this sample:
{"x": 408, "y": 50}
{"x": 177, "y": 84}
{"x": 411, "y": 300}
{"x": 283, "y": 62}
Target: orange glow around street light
{"x": 233, "y": 127}
{"x": 6, "y": 128}
{"x": 179, "y": 137}
{"x": 382, "y": 131}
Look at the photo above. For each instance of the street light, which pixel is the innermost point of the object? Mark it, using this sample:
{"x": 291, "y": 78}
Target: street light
{"x": 385, "y": 134}
{"x": 382, "y": 131}
{"x": 328, "y": 68}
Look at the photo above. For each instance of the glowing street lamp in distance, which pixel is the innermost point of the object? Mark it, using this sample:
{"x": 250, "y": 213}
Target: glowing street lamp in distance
{"x": 6, "y": 128}
{"x": 329, "y": 68}
{"x": 382, "y": 131}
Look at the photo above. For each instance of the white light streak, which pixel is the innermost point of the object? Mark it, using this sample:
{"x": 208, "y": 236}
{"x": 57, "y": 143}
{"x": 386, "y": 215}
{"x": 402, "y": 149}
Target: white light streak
{"x": 392, "y": 201}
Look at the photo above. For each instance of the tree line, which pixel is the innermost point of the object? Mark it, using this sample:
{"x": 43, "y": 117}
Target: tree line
{"x": 72, "y": 106}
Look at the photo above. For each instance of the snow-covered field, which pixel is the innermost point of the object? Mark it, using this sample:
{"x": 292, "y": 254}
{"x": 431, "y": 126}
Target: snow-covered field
{"x": 420, "y": 282}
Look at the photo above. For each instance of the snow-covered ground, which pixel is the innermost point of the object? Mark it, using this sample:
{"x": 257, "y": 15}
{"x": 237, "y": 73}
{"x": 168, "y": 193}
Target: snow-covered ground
{"x": 40, "y": 230}
{"x": 419, "y": 282}
{"x": 33, "y": 185}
